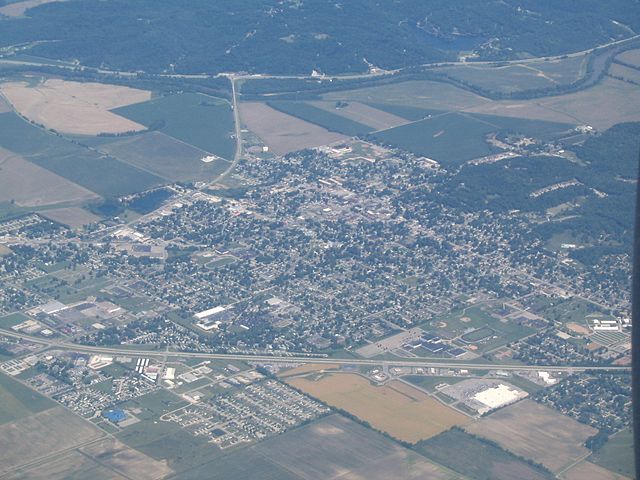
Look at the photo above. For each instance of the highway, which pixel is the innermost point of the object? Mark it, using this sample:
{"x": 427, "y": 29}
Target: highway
{"x": 298, "y": 358}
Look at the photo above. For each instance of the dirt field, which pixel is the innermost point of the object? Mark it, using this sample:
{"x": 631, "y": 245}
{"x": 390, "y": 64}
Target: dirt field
{"x": 17, "y": 9}
{"x": 64, "y": 467}
{"x": 30, "y": 185}
{"x": 73, "y": 217}
{"x": 581, "y": 329}
{"x": 308, "y": 368}
{"x": 73, "y": 107}
{"x": 284, "y": 133}
{"x": 407, "y": 417}
{"x": 590, "y": 471}
{"x": 44, "y": 433}
{"x": 536, "y": 432}
{"x": 359, "y": 112}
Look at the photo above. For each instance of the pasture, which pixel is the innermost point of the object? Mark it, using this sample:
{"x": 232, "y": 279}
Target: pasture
{"x": 481, "y": 460}
{"x": 284, "y": 133}
{"x": 438, "y": 138}
{"x": 41, "y": 434}
{"x": 18, "y": 401}
{"x": 164, "y": 156}
{"x": 74, "y": 107}
{"x": 616, "y": 455}
{"x": 29, "y": 185}
{"x": 101, "y": 174}
{"x": 199, "y": 120}
{"x": 330, "y": 448}
{"x": 324, "y": 118}
{"x": 533, "y": 431}
{"x": 363, "y": 114}
{"x": 401, "y": 411}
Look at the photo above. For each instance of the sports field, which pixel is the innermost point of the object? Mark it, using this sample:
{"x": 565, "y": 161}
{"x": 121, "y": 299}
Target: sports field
{"x": 536, "y": 432}
{"x": 74, "y": 107}
{"x": 401, "y": 411}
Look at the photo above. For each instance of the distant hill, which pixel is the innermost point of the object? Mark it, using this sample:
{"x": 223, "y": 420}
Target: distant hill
{"x": 298, "y": 36}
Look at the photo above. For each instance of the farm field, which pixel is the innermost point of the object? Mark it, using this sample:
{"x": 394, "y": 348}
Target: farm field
{"x": 332, "y": 121}
{"x": 18, "y": 9}
{"x": 18, "y": 401}
{"x": 30, "y": 185}
{"x": 74, "y": 107}
{"x": 364, "y": 114}
{"x": 415, "y": 93}
{"x": 632, "y": 57}
{"x": 407, "y": 417}
{"x": 406, "y": 111}
{"x": 481, "y": 460}
{"x": 199, "y": 120}
{"x": 438, "y": 138}
{"x": 627, "y": 73}
{"x": 284, "y": 133}
{"x": 615, "y": 455}
{"x": 45, "y": 433}
{"x": 101, "y": 174}
{"x": 164, "y": 156}
{"x": 536, "y": 432}
{"x": 73, "y": 217}
{"x": 589, "y": 471}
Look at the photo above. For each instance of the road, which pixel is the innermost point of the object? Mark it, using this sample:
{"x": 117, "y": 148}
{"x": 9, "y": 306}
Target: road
{"x": 298, "y": 358}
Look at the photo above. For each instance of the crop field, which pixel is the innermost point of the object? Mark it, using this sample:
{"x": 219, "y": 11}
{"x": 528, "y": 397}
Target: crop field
{"x": 632, "y": 57}
{"x": 481, "y": 460}
{"x": 199, "y": 120}
{"x": 627, "y": 73}
{"x": 18, "y": 401}
{"x": 406, "y": 111}
{"x": 438, "y": 138}
{"x": 364, "y": 114}
{"x": 541, "y": 129}
{"x": 73, "y": 217}
{"x": 616, "y": 455}
{"x": 103, "y": 175}
{"x": 45, "y": 433}
{"x": 18, "y": 9}
{"x": 330, "y": 448}
{"x": 164, "y": 156}
{"x": 321, "y": 117}
{"x": 74, "y": 107}
{"x": 415, "y": 93}
{"x": 284, "y": 133}
{"x": 409, "y": 418}
{"x": 30, "y": 185}
{"x": 589, "y": 471}
{"x": 536, "y": 432}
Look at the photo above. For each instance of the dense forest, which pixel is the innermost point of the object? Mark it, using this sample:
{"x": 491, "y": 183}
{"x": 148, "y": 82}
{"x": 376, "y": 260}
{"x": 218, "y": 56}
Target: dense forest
{"x": 295, "y": 36}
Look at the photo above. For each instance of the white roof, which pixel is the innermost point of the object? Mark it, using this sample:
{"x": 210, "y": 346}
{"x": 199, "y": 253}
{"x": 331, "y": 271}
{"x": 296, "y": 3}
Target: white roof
{"x": 211, "y": 311}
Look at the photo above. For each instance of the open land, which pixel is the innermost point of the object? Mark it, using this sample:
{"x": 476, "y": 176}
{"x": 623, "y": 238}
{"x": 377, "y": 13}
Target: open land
{"x": 537, "y": 432}
{"x": 284, "y": 133}
{"x": 365, "y": 114}
{"x": 165, "y": 156}
{"x": 18, "y": 401}
{"x": 73, "y": 217}
{"x": 74, "y": 107}
{"x": 589, "y": 471}
{"x": 199, "y": 120}
{"x": 616, "y": 455}
{"x": 332, "y": 121}
{"x": 18, "y": 9}
{"x": 30, "y": 185}
{"x": 404, "y": 417}
{"x": 632, "y": 57}
{"x": 308, "y": 368}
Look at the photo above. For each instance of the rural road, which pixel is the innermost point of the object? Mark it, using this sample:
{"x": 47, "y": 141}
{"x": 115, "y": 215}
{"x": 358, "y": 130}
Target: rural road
{"x": 297, "y": 358}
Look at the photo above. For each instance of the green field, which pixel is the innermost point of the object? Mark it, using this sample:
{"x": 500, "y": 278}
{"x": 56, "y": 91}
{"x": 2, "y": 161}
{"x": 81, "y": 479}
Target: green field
{"x": 323, "y": 118}
{"x": 9, "y": 321}
{"x": 478, "y": 334}
{"x": 199, "y": 120}
{"x": 101, "y": 174}
{"x": 430, "y": 383}
{"x": 480, "y": 460}
{"x": 438, "y": 138}
{"x": 407, "y": 111}
{"x": 541, "y": 129}
{"x": 617, "y": 454}
{"x": 18, "y": 401}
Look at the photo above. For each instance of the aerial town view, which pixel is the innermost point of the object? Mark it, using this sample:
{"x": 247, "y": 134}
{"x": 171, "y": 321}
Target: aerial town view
{"x": 309, "y": 240}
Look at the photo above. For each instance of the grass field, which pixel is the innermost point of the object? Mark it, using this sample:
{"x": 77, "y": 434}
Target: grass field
{"x": 199, "y": 120}
{"x": 74, "y": 107}
{"x": 406, "y": 111}
{"x": 616, "y": 454}
{"x": 589, "y": 471}
{"x": 12, "y": 319}
{"x": 476, "y": 458}
{"x": 438, "y": 138}
{"x": 375, "y": 118}
{"x": 284, "y": 133}
{"x": 632, "y": 57}
{"x": 536, "y": 432}
{"x": 430, "y": 383}
{"x": 103, "y": 175}
{"x": 74, "y": 217}
{"x": 18, "y": 401}
{"x": 324, "y": 118}
{"x": 164, "y": 156}
{"x": 407, "y": 415}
